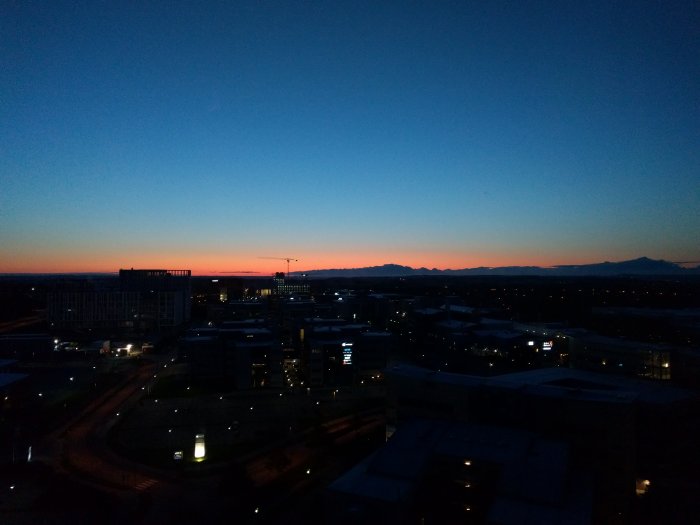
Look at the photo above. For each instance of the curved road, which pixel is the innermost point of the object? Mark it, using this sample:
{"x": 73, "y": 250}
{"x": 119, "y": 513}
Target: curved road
{"x": 80, "y": 449}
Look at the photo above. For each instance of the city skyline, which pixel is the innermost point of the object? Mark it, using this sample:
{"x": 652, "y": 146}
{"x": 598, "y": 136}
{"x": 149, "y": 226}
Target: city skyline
{"x": 347, "y": 135}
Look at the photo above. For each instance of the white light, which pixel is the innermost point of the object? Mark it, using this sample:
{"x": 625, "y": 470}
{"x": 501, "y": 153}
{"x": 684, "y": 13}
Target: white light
{"x": 199, "y": 448}
{"x": 308, "y": 471}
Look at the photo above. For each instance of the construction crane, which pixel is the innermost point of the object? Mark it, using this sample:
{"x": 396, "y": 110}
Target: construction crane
{"x": 288, "y": 259}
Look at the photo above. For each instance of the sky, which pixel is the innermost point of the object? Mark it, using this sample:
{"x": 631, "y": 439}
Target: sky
{"x": 207, "y": 135}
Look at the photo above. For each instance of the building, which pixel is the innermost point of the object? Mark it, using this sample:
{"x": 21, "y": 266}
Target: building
{"x": 139, "y": 301}
{"x": 455, "y": 472}
{"x": 283, "y": 287}
{"x": 239, "y": 354}
{"x": 625, "y": 431}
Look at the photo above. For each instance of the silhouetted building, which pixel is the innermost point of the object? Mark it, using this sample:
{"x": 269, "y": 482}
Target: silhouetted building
{"x": 455, "y": 472}
{"x": 623, "y": 430}
{"x": 142, "y": 301}
{"x": 330, "y": 351}
{"x": 590, "y": 351}
{"x": 238, "y": 355}
{"x": 283, "y": 286}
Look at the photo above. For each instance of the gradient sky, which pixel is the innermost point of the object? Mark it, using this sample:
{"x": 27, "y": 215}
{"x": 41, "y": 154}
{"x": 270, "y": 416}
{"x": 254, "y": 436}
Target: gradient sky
{"x": 205, "y": 135}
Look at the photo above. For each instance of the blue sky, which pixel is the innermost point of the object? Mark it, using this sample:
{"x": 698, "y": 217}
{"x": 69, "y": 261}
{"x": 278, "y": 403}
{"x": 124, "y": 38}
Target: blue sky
{"x": 439, "y": 134}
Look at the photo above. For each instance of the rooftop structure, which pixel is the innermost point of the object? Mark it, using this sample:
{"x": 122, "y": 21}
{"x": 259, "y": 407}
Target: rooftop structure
{"x": 446, "y": 471}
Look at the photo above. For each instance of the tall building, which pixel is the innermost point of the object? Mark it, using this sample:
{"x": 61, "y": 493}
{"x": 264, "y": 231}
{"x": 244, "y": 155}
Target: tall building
{"x": 282, "y": 286}
{"x": 140, "y": 301}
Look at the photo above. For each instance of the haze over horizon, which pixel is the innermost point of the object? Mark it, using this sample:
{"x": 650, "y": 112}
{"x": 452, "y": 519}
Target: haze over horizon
{"x": 347, "y": 134}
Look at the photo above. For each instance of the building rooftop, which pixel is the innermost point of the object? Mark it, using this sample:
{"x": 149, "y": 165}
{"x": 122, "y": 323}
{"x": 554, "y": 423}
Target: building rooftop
{"x": 7, "y": 362}
{"x": 453, "y": 324}
{"x": 591, "y": 338}
{"x": 361, "y": 482}
{"x": 582, "y": 380}
{"x": 427, "y": 311}
{"x": 458, "y": 309}
{"x": 558, "y": 382}
{"x": 533, "y": 471}
{"x": 376, "y": 333}
{"x": 8, "y": 378}
{"x": 498, "y": 334}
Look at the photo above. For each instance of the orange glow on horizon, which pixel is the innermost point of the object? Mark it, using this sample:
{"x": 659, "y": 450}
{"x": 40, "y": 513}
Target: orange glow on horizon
{"x": 217, "y": 263}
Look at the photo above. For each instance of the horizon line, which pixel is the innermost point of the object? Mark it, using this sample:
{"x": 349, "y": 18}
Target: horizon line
{"x": 254, "y": 273}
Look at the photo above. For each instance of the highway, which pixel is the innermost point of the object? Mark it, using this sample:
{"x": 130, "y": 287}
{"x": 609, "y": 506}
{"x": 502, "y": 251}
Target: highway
{"x": 15, "y": 324}
{"x": 80, "y": 449}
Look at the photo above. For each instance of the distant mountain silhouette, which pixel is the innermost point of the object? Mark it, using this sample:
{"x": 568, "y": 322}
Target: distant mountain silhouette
{"x": 641, "y": 266}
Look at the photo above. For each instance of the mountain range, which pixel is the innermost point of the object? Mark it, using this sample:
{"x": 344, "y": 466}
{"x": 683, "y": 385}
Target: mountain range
{"x": 640, "y": 266}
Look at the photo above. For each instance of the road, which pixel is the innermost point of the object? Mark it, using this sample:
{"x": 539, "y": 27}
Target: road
{"x": 15, "y": 324}
{"x": 80, "y": 449}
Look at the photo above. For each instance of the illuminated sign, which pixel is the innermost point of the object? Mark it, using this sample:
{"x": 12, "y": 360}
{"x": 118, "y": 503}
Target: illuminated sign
{"x": 199, "y": 449}
{"x": 530, "y": 343}
{"x": 547, "y": 345}
{"x": 347, "y": 353}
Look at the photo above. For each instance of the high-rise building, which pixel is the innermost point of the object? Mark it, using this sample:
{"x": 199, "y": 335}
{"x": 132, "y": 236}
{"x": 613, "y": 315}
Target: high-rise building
{"x": 140, "y": 301}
